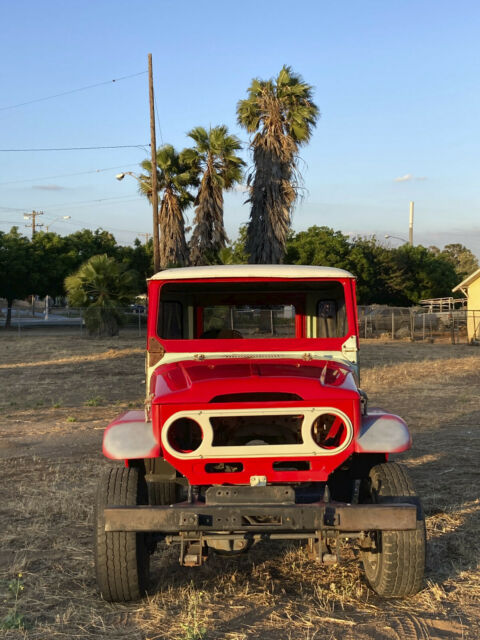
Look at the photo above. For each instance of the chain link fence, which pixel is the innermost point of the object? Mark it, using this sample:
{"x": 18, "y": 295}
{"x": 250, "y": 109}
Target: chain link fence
{"x": 418, "y": 323}
{"x": 375, "y": 321}
{"x": 28, "y": 319}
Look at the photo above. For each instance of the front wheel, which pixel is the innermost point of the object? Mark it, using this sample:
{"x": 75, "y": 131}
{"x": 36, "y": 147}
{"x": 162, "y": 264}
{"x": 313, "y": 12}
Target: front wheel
{"x": 394, "y": 561}
{"x": 122, "y": 560}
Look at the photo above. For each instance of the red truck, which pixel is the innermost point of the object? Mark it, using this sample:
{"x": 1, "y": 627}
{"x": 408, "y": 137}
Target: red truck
{"x": 255, "y": 428}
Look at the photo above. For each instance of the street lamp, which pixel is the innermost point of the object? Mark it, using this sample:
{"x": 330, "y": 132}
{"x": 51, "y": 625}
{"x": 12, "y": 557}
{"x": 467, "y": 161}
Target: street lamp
{"x": 47, "y": 226}
{"x": 120, "y": 176}
{"x": 387, "y": 235}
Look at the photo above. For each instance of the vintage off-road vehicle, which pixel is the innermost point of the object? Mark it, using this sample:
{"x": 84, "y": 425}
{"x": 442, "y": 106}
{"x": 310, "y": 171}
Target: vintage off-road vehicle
{"x": 255, "y": 428}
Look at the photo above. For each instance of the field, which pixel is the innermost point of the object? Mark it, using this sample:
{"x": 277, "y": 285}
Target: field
{"x": 57, "y": 394}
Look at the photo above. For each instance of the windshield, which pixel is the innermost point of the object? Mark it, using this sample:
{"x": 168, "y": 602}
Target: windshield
{"x": 252, "y": 310}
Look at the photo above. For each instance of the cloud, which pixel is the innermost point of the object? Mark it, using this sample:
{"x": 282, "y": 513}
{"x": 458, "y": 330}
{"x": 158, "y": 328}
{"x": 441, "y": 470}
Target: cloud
{"x": 48, "y": 187}
{"x": 241, "y": 188}
{"x": 408, "y": 177}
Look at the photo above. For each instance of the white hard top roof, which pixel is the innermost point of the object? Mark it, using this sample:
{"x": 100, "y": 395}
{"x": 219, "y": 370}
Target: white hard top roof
{"x": 292, "y": 271}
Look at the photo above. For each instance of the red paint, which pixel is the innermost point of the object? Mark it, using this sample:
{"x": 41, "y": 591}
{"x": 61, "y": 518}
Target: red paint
{"x": 195, "y": 384}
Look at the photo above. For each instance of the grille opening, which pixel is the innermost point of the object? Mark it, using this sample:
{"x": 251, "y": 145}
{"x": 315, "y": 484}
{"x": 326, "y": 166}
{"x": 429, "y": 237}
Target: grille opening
{"x": 291, "y": 465}
{"x": 259, "y": 396}
{"x": 223, "y": 467}
{"x": 234, "y": 431}
{"x": 184, "y": 435}
{"x": 329, "y": 431}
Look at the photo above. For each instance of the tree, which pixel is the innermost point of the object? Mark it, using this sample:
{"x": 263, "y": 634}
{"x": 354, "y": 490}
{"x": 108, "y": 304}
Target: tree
{"x": 175, "y": 174}
{"x": 15, "y": 269}
{"x": 318, "y": 246}
{"x": 52, "y": 260}
{"x": 235, "y": 253}
{"x": 415, "y": 273}
{"x": 86, "y": 243}
{"x": 101, "y": 286}
{"x": 214, "y": 154}
{"x": 463, "y": 260}
{"x": 281, "y": 115}
{"x": 140, "y": 259}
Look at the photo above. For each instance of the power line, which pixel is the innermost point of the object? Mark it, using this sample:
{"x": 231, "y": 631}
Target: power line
{"x": 158, "y": 122}
{"x": 118, "y": 146}
{"x": 66, "y": 93}
{"x": 80, "y": 202}
{"x": 68, "y": 175}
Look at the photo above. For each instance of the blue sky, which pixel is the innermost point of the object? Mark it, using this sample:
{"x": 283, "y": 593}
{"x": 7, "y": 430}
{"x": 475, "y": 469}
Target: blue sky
{"x": 396, "y": 83}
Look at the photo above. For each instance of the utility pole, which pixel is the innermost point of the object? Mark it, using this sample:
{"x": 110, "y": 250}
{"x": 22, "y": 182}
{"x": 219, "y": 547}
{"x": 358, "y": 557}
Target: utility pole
{"x": 33, "y": 224}
{"x": 410, "y": 225}
{"x": 153, "y": 145}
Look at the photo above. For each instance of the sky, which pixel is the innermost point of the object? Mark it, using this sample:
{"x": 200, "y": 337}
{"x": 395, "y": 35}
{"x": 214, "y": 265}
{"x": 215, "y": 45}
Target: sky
{"x": 397, "y": 85}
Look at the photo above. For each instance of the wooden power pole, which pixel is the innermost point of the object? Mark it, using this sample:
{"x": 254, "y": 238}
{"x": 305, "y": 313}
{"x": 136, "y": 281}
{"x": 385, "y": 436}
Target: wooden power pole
{"x": 153, "y": 144}
{"x": 33, "y": 224}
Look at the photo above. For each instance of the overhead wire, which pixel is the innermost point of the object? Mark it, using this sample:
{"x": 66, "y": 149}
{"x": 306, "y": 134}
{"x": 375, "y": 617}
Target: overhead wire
{"x": 68, "y": 175}
{"x": 66, "y": 93}
{"x": 118, "y": 146}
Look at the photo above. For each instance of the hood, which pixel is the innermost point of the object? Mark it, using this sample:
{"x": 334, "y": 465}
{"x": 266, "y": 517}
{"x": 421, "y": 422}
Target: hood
{"x": 250, "y": 380}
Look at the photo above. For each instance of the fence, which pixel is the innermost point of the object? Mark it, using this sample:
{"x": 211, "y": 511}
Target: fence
{"x": 417, "y": 323}
{"x": 26, "y": 319}
{"x": 375, "y": 321}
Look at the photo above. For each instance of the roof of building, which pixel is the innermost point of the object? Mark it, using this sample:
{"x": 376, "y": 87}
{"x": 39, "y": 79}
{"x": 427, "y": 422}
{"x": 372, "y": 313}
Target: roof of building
{"x": 292, "y": 271}
{"x": 468, "y": 281}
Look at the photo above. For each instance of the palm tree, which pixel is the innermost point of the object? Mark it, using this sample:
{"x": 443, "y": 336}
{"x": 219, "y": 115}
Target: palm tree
{"x": 102, "y": 286}
{"x": 281, "y": 114}
{"x": 214, "y": 154}
{"x": 175, "y": 175}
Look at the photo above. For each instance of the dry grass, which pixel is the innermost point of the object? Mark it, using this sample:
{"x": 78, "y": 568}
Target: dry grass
{"x": 49, "y": 468}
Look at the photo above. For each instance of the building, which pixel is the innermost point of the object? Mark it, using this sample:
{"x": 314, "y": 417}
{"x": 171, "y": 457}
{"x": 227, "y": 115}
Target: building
{"x": 470, "y": 287}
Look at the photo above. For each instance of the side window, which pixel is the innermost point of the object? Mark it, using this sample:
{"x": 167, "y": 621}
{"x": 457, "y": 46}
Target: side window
{"x": 170, "y": 320}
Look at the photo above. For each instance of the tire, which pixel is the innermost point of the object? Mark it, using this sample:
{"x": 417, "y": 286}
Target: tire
{"x": 162, "y": 493}
{"x": 395, "y": 567}
{"x": 122, "y": 560}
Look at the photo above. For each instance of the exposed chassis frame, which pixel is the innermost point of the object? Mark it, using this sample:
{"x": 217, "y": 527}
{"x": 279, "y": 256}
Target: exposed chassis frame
{"x": 278, "y": 518}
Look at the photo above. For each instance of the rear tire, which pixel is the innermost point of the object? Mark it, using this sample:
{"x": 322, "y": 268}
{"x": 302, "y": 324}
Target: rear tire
{"x": 395, "y": 567}
{"x": 122, "y": 561}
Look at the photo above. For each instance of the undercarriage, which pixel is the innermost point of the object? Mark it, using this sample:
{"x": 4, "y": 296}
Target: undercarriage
{"x": 232, "y": 518}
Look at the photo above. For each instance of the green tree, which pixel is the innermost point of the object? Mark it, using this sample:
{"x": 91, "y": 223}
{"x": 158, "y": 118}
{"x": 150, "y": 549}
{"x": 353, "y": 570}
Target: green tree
{"x": 318, "y": 246}
{"x": 176, "y": 173}
{"x": 215, "y": 155}
{"x": 52, "y": 260}
{"x": 281, "y": 115}
{"x": 86, "y": 243}
{"x": 235, "y": 253}
{"x": 140, "y": 259}
{"x": 463, "y": 260}
{"x": 416, "y": 273}
{"x": 101, "y": 286}
{"x": 15, "y": 269}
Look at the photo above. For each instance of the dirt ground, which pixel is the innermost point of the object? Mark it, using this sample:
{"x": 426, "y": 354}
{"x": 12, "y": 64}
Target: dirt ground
{"x": 56, "y": 395}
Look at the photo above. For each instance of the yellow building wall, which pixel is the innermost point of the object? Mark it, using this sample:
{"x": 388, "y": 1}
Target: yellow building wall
{"x": 473, "y": 307}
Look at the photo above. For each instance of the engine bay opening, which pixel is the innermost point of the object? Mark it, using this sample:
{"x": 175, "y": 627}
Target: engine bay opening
{"x": 184, "y": 435}
{"x": 329, "y": 431}
{"x": 233, "y": 431}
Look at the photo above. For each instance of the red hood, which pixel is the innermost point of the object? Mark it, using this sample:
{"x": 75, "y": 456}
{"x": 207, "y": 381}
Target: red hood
{"x": 206, "y": 381}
